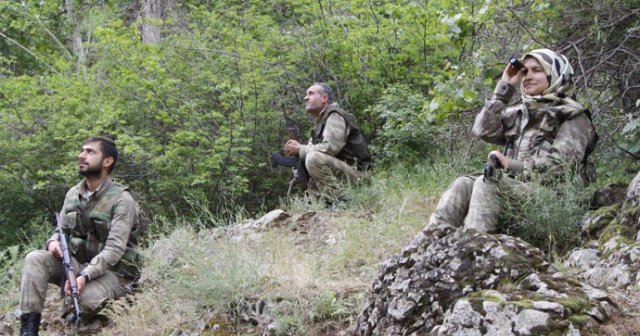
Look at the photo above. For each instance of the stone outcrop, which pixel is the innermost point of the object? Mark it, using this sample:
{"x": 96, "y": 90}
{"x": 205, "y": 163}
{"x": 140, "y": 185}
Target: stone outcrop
{"x": 442, "y": 265}
{"x": 449, "y": 281}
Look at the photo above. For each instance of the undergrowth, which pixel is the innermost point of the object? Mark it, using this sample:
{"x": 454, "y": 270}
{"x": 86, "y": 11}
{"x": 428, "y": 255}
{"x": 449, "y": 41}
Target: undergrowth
{"x": 305, "y": 279}
{"x": 203, "y": 275}
{"x": 546, "y": 214}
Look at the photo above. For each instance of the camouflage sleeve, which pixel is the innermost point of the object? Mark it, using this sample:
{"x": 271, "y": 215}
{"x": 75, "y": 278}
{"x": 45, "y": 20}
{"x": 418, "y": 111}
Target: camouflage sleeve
{"x": 569, "y": 146}
{"x": 487, "y": 125}
{"x": 334, "y": 137}
{"x": 54, "y": 235}
{"x": 124, "y": 217}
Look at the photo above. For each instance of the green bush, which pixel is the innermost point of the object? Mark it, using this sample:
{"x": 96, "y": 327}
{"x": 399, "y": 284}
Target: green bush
{"x": 546, "y": 215}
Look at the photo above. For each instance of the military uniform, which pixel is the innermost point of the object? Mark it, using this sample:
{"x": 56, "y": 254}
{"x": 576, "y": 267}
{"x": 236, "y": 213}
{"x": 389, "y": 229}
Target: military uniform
{"x": 545, "y": 134}
{"x": 101, "y": 230}
{"x": 337, "y": 150}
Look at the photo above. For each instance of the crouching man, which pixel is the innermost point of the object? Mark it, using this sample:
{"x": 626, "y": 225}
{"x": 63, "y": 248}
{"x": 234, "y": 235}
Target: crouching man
{"x": 337, "y": 152}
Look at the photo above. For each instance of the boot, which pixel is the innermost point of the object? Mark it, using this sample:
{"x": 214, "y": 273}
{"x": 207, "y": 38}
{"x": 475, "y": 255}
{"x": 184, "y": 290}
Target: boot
{"x": 29, "y": 324}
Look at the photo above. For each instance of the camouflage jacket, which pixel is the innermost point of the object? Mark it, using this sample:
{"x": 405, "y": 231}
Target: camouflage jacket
{"x": 548, "y": 139}
{"x": 337, "y": 134}
{"x": 99, "y": 229}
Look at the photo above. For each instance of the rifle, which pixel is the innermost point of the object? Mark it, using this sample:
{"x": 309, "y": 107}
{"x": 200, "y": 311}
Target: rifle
{"x": 301, "y": 176}
{"x": 69, "y": 273}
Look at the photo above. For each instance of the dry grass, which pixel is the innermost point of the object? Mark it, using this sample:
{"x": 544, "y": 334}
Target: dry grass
{"x": 317, "y": 271}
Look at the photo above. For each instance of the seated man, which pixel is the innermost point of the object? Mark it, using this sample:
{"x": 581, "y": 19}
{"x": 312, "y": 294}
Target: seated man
{"x": 548, "y": 132}
{"x": 337, "y": 149}
{"x": 100, "y": 220}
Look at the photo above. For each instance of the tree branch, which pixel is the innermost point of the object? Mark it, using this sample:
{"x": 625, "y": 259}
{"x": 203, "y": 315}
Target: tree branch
{"x": 29, "y": 52}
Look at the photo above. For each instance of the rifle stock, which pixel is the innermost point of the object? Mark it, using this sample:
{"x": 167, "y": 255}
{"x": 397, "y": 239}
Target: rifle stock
{"x": 69, "y": 273}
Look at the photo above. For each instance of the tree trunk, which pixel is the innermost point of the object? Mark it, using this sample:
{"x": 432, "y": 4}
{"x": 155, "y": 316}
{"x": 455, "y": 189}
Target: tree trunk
{"x": 76, "y": 36}
{"x": 152, "y": 11}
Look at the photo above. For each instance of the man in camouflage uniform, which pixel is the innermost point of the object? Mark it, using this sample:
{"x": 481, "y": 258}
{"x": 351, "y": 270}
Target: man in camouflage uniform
{"x": 100, "y": 219}
{"x": 547, "y": 133}
{"x": 337, "y": 149}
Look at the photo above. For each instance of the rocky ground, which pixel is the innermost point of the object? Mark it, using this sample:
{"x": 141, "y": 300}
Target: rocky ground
{"x": 454, "y": 282}
{"x": 449, "y": 281}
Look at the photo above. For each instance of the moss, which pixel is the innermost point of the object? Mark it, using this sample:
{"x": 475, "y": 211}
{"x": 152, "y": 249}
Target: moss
{"x": 575, "y": 304}
{"x": 627, "y": 234}
{"x": 556, "y": 327}
{"x": 579, "y": 319}
{"x": 486, "y": 296}
{"x": 525, "y": 303}
{"x": 477, "y": 305}
{"x": 607, "y": 214}
{"x": 628, "y": 213}
{"x": 574, "y": 282}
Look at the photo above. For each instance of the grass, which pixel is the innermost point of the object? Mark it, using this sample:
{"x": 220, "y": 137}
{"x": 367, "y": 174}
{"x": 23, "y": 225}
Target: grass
{"x": 312, "y": 278}
{"x": 314, "y": 282}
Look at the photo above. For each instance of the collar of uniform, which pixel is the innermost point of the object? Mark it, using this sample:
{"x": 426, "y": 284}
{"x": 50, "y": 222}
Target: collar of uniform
{"x": 86, "y": 194}
{"x": 327, "y": 108}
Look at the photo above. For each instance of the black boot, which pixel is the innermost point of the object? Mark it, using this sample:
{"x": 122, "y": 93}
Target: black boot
{"x": 29, "y": 324}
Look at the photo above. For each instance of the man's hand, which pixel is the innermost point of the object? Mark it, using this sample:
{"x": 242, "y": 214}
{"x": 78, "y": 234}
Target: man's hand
{"x": 55, "y": 249}
{"x": 292, "y": 148}
{"x": 503, "y": 161}
{"x": 513, "y": 76}
{"x": 81, "y": 281}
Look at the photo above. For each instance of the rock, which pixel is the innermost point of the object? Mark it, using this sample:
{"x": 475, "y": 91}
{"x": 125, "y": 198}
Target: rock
{"x": 610, "y": 194}
{"x": 548, "y": 306}
{"x": 572, "y": 331}
{"x": 633, "y": 191}
{"x": 594, "y": 294}
{"x": 617, "y": 276}
{"x": 440, "y": 266}
{"x": 498, "y": 320}
{"x": 596, "y": 220}
{"x": 583, "y": 259}
{"x": 629, "y": 214}
{"x": 614, "y": 243}
{"x": 274, "y": 218}
{"x": 462, "y": 320}
{"x": 530, "y": 321}
{"x": 7, "y": 321}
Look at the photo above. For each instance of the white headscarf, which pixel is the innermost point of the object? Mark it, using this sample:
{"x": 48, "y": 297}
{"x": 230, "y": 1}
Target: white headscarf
{"x": 560, "y": 77}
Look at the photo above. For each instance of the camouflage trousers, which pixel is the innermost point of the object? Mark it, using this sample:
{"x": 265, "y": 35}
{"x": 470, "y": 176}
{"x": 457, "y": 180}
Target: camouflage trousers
{"x": 473, "y": 203}
{"x": 329, "y": 172}
{"x": 42, "y": 268}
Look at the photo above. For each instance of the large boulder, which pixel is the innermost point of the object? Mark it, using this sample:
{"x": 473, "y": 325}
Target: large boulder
{"x": 451, "y": 281}
{"x": 416, "y": 287}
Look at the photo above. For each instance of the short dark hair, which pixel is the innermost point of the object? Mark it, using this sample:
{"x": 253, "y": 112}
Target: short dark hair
{"x": 107, "y": 147}
{"x": 326, "y": 89}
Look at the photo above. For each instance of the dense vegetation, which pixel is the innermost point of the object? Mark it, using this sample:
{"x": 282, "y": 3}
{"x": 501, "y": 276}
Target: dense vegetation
{"x": 197, "y": 107}
{"x": 195, "y": 92}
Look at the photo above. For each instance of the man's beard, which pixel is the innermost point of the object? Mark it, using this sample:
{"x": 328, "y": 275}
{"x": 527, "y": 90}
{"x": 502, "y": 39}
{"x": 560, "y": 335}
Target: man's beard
{"x": 90, "y": 171}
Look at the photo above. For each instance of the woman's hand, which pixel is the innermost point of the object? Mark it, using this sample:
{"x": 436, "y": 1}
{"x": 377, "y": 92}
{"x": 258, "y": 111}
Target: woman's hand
{"x": 512, "y": 75}
{"x": 502, "y": 160}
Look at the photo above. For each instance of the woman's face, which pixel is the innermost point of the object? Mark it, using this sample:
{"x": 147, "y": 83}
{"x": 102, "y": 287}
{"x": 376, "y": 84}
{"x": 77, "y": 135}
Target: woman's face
{"x": 535, "y": 80}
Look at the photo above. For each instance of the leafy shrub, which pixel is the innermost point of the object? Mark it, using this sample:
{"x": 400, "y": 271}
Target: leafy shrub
{"x": 547, "y": 215}
{"x": 405, "y": 132}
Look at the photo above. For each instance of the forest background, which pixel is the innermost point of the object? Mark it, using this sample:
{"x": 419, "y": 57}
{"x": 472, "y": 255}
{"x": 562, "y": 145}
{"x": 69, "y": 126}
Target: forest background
{"x": 194, "y": 92}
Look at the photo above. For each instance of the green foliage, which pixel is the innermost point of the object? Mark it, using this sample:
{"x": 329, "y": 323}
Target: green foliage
{"x": 405, "y": 132}
{"x": 11, "y": 261}
{"x": 546, "y": 215}
{"x": 197, "y": 114}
